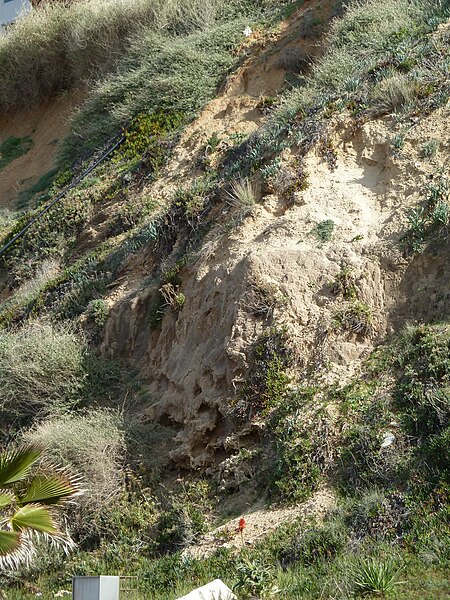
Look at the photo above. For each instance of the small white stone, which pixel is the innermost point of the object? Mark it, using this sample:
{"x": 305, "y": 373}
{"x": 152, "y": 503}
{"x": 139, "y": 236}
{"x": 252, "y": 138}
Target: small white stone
{"x": 247, "y": 31}
{"x": 388, "y": 439}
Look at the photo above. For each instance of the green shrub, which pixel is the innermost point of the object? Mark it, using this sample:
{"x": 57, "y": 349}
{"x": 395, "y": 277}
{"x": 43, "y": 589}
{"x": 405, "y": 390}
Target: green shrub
{"x": 183, "y": 225}
{"x": 185, "y": 520}
{"x": 432, "y": 218}
{"x": 323, "y": 231}
{"x": 315, "y": 545}
{"x": 378, "y": 515}
{"x": 344, "y": 284}
{"x": 98, "y": 311}
{"x": 58, "y": 44}
{"x": 80, "y": 289}
{"x": 428, "y": 535}
{"x": 362, "y": 36}
{"x": 144, "y": 140}
{"x": 267, "y": 381}
{"x": 158, "y": 73}
{"x": 363, "y": 464}
{"x": 437, "y": 455}
{"x": 415, "y": 410}
{"x": 254, "y": 579}
{"x": 299, "y": 430}
{"x": 368, "y": 416}
{"x": 398, "y": 142}
{"x": 429, "y": 149}
{"x": 131, "y": 213}
{"x": 41, "y": 371}
{"x": 93, "y": 444}
{"x": 46, "y": 240}
{"x": 422, "y": 356}
{"x": 355, "y": 317}
{"x": 393, "y": 93}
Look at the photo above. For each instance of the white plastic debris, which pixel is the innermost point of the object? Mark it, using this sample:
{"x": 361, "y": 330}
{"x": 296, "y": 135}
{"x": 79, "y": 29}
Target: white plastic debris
{"x": 216, "y": 590}
{"x": 247, "y": 31}
{"x": 388, "y": 439}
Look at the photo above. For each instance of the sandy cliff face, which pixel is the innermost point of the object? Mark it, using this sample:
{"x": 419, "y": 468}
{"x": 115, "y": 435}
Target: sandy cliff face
{"x": 197, "y": 360}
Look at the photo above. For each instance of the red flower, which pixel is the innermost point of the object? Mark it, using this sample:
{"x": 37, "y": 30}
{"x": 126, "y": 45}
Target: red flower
{"x": 242, "y": 524}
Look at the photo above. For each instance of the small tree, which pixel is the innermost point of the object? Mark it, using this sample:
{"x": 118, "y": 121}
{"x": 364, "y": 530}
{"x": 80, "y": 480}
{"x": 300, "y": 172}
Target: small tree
{"x": 31, "y": 495}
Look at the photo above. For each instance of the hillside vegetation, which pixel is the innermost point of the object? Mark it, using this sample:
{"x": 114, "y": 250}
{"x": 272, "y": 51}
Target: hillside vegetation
{"x": 244, "y": 310}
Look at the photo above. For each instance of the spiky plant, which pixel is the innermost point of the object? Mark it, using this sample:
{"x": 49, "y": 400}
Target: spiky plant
{"x": 31, "y": 495}
{"x": 376, "y": 578}
{"x": 242, "y": 194}
{"x": 241, "y": 197}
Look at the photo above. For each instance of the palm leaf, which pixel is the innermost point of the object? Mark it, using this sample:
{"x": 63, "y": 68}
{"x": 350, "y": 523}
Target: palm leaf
{"x": 15, "y": 549}
{"x": 51, "y": 489}
{"x": 9, "y": 542}
{"x": 15, "y": 464}
{"x": 6, "y": 498}
{"x": 35, "y": 517}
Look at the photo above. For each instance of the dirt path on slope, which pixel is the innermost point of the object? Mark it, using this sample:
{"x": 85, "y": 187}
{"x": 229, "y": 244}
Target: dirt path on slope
{"x": 259, "y": 523}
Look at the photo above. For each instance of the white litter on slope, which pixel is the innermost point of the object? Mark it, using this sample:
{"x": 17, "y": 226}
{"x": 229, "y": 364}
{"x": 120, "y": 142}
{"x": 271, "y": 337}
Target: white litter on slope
{"x": 215, "y": 590}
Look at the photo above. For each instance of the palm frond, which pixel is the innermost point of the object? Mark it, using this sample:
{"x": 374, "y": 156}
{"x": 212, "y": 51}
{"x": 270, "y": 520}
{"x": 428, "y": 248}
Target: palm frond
{"x": 35, "y": 517}
{"x": 55, "y": 488}
{"x": 6, "y": 498}
{"x": 15, "y": 464}
{"x": 34, "y": 500}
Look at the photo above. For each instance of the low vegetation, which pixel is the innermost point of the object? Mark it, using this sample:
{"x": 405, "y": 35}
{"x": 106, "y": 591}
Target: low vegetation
{"x": 383, "y": 526}
{"x": 12, "y": 148}
{"x": 72, "y": 39}
{"x": 323, "y": 231}
{"x": 158, "y": 73}
{"x": 379, "y": 60}
{"x": 92, "y": 443}
{"x": 430, "y": 222}
{"x": 268, "y": 380}
{"x": 41, "y": 368}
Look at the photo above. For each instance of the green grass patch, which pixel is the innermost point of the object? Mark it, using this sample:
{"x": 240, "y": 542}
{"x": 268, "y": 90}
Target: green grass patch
{"x": 12, "y": 148}
{"x": 158, "y": 73}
